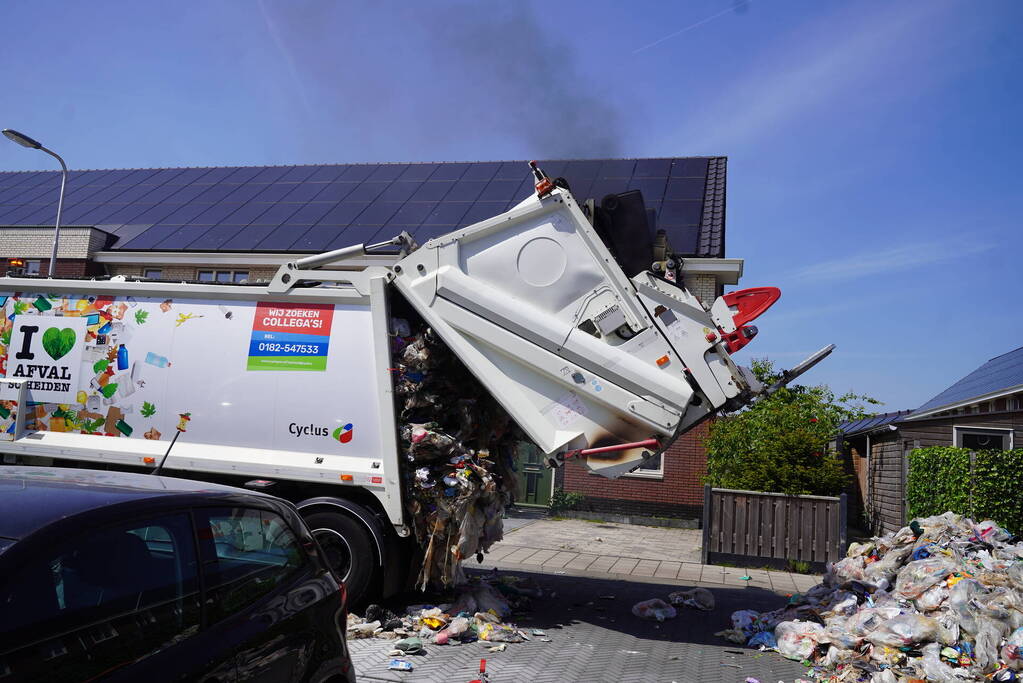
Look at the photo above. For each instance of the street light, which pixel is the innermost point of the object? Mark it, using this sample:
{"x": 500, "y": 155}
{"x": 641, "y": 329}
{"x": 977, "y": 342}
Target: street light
{"x": 26, "y": 141}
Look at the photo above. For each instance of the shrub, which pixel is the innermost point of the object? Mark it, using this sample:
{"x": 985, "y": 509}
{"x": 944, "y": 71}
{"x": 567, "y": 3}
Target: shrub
{"x": 564, "y": 500}
{"x": 941, "y": 479}
{"x": 780, "y": 444}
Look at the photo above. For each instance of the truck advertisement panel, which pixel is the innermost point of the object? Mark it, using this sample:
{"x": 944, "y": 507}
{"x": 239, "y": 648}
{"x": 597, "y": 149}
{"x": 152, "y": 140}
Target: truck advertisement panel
{"x": 265, "y": 375}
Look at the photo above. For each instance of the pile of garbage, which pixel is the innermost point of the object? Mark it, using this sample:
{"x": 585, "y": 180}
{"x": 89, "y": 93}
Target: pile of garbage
{"x": 460, "y": 444}
{"x": 479, "y": 612}
{"x": 941, "y": 600}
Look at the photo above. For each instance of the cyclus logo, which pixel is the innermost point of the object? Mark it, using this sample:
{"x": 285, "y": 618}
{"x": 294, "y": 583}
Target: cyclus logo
{"x": 344, "y": 434}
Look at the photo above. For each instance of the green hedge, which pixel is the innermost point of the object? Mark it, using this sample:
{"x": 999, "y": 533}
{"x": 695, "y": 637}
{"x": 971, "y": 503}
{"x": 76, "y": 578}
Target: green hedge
{"x": 940, "y": 479}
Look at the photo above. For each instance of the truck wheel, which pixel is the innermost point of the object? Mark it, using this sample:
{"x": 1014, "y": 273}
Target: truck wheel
{"x": 348, "y": 549}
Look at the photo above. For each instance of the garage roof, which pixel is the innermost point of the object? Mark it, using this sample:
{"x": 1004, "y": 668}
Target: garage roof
{"x": 314, "y": 208}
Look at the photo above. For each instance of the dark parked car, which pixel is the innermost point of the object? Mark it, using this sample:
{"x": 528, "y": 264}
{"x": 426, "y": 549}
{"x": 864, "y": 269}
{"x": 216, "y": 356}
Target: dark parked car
{"x": 132, "y": 577}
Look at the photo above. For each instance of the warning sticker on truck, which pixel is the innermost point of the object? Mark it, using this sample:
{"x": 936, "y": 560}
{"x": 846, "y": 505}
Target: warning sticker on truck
{"x": 290, "y": 336}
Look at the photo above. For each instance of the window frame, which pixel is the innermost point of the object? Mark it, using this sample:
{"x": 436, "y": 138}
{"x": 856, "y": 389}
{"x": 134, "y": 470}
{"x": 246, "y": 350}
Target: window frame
{"x": 95, "y": 629}
{"x": 146, "y": 273}
{"x": 657, "y": 474}
{"x": 38, "y": 265}
{"x": 209, "y": 581}
{"x": 959, "y": 430}
{"x": 215, "y": 274}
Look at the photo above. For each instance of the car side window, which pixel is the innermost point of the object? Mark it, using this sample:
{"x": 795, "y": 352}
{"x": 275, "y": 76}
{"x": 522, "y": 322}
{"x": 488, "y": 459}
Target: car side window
{"x": 246, "y": 553}
{"x": 101, "y": 600}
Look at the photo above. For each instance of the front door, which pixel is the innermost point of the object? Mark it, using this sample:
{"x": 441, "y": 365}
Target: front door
{"x": 535, "y": 478}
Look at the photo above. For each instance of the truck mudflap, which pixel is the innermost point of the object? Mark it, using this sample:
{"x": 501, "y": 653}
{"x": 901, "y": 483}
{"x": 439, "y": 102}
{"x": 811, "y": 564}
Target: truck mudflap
{"x": 589, "y": 363}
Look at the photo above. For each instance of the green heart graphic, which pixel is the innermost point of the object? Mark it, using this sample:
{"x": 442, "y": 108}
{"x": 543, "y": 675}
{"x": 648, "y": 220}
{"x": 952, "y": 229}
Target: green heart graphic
{"x": 58, "y": 342}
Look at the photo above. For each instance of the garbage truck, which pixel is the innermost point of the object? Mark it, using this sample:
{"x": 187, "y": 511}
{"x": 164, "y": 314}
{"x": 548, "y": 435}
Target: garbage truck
{"x": 570, "y": 317}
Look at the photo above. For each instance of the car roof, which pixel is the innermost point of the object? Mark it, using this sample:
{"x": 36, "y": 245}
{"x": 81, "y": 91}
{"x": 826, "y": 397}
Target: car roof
{"x": 33, "y": 497}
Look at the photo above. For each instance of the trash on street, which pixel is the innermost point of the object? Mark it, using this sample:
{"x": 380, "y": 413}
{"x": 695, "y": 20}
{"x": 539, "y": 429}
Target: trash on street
{"x": 941, "y": 600}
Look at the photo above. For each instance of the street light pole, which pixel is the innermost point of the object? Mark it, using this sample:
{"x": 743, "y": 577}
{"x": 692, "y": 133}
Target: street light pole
{"x": 26, "y": 141}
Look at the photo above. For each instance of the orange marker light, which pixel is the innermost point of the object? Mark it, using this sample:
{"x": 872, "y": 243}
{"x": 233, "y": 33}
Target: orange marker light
{"x": 662, "y": 361}
{"x": 347, "y": 477}
{"x": 149, "y": 461}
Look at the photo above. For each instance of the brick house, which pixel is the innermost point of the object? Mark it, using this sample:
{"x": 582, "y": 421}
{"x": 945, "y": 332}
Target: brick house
{"x": 234, "y": 224}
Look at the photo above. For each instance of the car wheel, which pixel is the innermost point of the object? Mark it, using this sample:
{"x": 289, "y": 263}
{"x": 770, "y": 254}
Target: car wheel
{"x": 348, "y": 550}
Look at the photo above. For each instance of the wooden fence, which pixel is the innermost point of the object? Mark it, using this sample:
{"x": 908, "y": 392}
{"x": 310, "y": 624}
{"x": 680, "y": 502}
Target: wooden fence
{"x": 753, "y": 528}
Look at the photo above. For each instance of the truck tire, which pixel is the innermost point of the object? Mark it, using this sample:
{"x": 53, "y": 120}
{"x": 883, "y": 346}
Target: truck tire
{"x": 348, "y": 549}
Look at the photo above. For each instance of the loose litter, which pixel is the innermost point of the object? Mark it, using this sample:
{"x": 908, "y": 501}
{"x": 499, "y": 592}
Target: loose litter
{"x": 399, "y": 665}
{"x": 655, "y": 609}
{"x": 699, "y": 598}
{"x": 479, "y": 612}
{"x": 939, "y": 600}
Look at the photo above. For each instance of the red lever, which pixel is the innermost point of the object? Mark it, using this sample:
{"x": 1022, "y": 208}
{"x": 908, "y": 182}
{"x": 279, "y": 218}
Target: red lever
{"x": 649, "y": 443}
{"x": 751, "y": 303}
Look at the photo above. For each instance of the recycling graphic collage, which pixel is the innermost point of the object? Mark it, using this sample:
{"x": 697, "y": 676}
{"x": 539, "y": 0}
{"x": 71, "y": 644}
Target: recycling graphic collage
{"x": 278, "y": 376}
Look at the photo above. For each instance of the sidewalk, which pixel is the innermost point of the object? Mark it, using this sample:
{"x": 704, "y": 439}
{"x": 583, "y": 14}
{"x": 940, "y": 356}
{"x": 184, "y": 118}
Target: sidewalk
{"x": 622, "y": 551}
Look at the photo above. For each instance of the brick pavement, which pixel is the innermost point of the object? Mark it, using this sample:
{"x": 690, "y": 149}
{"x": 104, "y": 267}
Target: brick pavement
{"x": 624, "y": 551}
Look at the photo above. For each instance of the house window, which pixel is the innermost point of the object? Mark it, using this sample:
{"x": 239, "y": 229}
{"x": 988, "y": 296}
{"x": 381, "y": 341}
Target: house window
{"x": 153, "y": 273}
{"x": 651, "y": 467}
{"x": 983, "y": 439}
{"x": 32, "y": 267}
{"x": 1014, "y": 403}
{"x": 223, "y": 276}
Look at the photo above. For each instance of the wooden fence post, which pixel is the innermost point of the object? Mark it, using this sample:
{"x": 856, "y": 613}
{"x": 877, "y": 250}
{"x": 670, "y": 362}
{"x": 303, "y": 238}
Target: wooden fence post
{"x": 843, "y": 523}
{"x": 973, "y": 463}
{"x": 706, "y": 523}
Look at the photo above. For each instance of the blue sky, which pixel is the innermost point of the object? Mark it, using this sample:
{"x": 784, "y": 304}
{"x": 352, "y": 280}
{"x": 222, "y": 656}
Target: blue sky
{"x": 873, "y": 146}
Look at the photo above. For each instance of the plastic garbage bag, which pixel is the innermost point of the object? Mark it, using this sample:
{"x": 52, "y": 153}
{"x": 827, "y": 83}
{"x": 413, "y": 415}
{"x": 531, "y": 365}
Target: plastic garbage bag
{"x": 843, "y": 602}
{"x": 881, "y": 573}
{"x": 932, "y": 598}
{"x": 500, "y": 633}
{"x": 904, "y": 630}
{"x": 698, "y": 598}
{"x": 798, "y": 639}
{"x": 988, "y": 531}
{"x": 763, "y": 638}
{"x": 1015, "y": 574}
{"x": 364, "y": 630}
{"x": 1011, "y": 656}
{"x": 985, "y": 644}
{"x": 948, "y": 628}
{"x": 733, "y": 635}
{"x": 963, "y": 599}
{"x": 838, "y": 634}
{"x": 457, "y": 627}
{"x": 918, "y": 576}
{"x": 848, "y": 569}
{"x": 931, "y": 668}
{"x": 744, "y": 620}
{"x": 869, "y": 619}
{"x": 654, "y": 609}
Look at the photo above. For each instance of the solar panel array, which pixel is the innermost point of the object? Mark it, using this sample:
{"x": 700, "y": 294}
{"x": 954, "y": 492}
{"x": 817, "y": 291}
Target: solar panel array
{"x": 316, "y": 208}
{"x": 872, "y": 422}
